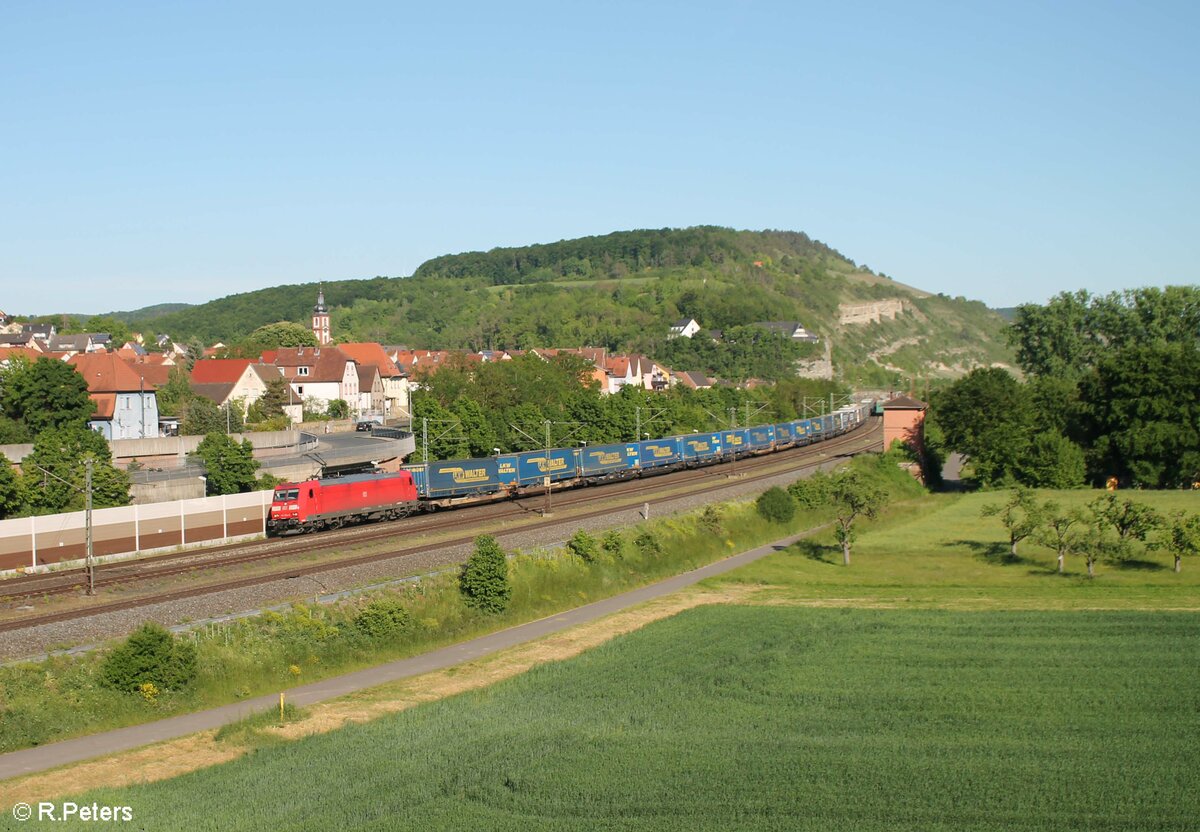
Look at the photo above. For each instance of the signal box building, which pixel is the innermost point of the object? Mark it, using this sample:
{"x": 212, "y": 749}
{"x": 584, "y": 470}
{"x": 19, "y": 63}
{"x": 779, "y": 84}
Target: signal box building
{"x": 904, "y": 419}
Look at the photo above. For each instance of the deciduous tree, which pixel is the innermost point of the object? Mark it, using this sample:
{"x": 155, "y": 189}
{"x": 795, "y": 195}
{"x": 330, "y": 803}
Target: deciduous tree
{"x": 46, "y": 394}
{"x": 483, "y": 580}
{"x": 853, "y": 497}
{"x": 1180, "y": 536}
{"x": 1021, "y": 516}
{"x": 230, "y": 465}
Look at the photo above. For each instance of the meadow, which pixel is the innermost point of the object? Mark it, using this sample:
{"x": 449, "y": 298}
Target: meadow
{"x": 937, "y": 551}
{"x": 762, "y": 717}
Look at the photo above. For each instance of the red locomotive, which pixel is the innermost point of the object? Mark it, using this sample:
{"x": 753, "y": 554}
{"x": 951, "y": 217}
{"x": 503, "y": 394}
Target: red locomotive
{"x": 334, "y": 502}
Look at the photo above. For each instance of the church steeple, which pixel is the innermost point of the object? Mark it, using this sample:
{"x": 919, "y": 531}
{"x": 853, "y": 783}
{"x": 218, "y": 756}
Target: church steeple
{"x": 320, "y": 319}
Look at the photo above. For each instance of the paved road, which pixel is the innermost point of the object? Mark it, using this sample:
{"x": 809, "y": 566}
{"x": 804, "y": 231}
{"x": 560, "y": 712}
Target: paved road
{"x": 31, "y": 760}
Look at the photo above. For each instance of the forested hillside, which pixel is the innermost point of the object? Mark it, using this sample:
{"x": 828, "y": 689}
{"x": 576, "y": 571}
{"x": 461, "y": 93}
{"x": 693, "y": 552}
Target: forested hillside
{"x": 624, "y": 290}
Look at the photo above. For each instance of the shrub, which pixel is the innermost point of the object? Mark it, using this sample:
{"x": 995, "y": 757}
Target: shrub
{"x": 613, "y": 543}
{"x": 483, "y": 580}
{"x": 584, "y": 546}
{"x": 711, "y": 521}
{"x": 775, "y": 505}
{"x": 150, "y": 656}
{"x": 383, "y": 618}
{"x": 647, "y": 543}
{"x": 811, "y": 492}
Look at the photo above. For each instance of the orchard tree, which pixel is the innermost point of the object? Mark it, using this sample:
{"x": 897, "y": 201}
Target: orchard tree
{"x": 1021, "y": 516}
{"x": 230, "y": 465}
{"x": 853, "y": 497}
{"x": 45, "y": 394}
{"x": 1180, "y": 536}
{"x": 1131, "y": 520}
{"x": 1060, "y": 531}
{"x": 483, "y": 580}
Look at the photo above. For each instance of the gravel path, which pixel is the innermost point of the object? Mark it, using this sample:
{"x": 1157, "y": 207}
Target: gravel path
{"x": 87, "y": 631}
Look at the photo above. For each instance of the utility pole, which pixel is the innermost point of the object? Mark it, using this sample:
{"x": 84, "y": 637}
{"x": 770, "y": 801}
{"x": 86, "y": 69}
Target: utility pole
{"x": 91, "y": 564}
{"x": 546, "y": 462}
{"x": 732, "y": 447}
{"x": 637, "y": 430}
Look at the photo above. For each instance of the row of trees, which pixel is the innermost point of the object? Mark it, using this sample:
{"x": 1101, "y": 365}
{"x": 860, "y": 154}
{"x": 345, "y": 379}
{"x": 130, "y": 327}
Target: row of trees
{"x": 1112, "y": 388}
{"x": 1108, "y": 528}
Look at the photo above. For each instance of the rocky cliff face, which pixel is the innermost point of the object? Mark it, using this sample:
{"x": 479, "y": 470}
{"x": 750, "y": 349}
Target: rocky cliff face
{"x": 850, "y": 314}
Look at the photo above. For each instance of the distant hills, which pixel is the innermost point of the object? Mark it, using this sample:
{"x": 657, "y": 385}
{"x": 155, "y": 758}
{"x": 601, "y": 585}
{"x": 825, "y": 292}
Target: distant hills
{"x": 623, "y": 291}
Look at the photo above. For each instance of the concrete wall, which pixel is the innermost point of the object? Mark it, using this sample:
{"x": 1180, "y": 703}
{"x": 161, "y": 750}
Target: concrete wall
{"x": 36, "y": 542}
{"x": 16, "y": 453}
{"x": 187, "y": 488}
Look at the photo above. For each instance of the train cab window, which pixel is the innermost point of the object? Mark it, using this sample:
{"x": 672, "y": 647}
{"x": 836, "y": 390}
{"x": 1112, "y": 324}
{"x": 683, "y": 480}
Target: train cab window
{"x": 285, "y": 494}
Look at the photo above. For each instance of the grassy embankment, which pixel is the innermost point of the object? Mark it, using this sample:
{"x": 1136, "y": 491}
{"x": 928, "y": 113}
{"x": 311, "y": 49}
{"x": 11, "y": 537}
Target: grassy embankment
{"x": 762, "y": 717}
{"x": 61, "y": 697}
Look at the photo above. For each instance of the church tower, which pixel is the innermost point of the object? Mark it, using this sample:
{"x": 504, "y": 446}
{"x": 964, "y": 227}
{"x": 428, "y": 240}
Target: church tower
{"x": 320, "y": 319}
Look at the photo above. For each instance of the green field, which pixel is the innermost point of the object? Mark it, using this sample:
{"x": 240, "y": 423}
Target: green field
{"x": 764, "y": 718}
{"x": 937, "y": 551}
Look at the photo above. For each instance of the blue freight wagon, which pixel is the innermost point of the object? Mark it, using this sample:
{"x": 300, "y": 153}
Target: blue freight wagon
{"x": 736, "y": 441}
{"x": 597, "y": 460}
{"x": 785, "y": 434}
{"x": 701, "y": 447}
{"x": 761, "y": 437}
{"x": 558, "y": 464}
{"x": 462, "y": 477}
{"x": 656, "y": 453}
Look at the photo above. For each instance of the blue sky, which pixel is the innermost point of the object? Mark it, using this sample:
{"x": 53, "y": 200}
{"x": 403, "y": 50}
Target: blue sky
{"x": 156, "y": 152}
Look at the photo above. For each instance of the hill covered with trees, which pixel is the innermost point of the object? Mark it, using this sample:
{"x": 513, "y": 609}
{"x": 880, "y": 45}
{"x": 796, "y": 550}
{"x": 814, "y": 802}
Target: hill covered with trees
{"x": 624, "y": 290}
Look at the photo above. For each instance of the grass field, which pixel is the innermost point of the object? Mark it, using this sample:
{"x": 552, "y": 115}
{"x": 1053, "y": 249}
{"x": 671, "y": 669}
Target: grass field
{"x": 938, "y": 552}
{"x": 737, "y": 717}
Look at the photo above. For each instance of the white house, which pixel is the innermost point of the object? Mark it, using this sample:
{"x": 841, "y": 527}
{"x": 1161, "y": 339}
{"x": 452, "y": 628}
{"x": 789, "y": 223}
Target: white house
{"x": 684, "y": 328}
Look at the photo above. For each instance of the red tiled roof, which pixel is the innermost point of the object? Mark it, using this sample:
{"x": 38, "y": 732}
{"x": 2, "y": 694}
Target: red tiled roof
{"x": 370, "y": 353}
{"x": 324, "y": 363}
{"x": 219, "y": 370}
{"x": 106, "y": 373}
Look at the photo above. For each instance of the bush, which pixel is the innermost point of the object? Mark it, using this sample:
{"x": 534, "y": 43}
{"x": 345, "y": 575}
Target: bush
{"x": 711, "y": 521}
{"x": 647, "y": 544}
{"x": 775, "y": 505}
{"x": 483, "y": 580}
{"x": 383, "y": 618}
{"x": 584, "y": 546}
{"x": 812, "y": 492}
{"x": 150, "y": 656}
{"x": 613, "y": 543}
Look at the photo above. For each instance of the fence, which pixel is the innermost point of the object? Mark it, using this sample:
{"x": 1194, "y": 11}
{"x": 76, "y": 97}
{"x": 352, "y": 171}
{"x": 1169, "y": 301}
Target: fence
{"x": 32, "y": 542}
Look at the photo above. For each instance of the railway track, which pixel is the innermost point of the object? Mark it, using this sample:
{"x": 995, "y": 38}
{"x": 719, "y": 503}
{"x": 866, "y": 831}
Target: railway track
{"x": 629, "y": 492}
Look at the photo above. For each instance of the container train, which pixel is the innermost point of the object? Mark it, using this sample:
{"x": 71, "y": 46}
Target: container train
{"x": 332, "y": 502}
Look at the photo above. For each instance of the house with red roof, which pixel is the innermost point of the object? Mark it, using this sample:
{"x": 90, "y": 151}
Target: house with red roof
{"x": 393, "y": 381}
{"x": 238, "y": 382}
{"x": 319, "y": 375}
{"x": 126, "y": 407}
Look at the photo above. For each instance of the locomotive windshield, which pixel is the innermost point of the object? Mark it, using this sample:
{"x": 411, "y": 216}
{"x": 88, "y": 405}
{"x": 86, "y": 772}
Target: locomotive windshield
{"x": 284, "y": 494}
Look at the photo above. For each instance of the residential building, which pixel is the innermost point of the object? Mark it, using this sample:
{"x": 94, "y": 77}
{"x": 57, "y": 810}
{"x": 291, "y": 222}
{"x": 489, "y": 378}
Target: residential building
{"x": 126, "y": 407}
{"x": 238, "y": 382}
{"x": 684, "y": 328}
{"x": 788, "y": 329}
{"x": 319, "y": 375}
{"x": 394, "y": 381}
{"x": 692, "y": 380}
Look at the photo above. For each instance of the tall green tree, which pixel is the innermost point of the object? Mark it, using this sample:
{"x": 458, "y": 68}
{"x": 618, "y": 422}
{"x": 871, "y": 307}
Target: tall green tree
{"x": 1050, "y": 460}
{"x": 1140, "y": 411}
{"x": 200, "y": 417}
{"x": 173, "y": 396}
{"x": 11, "y": 497}
{"x": 53, "y": 474}
{"x": 987, "y": 416}
{"x": 229, "y": 465}
{"x": 46, "y": 394}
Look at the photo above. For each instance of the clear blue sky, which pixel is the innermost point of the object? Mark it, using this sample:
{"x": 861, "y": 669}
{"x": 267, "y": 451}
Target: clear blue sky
{"x": 155, "y": 152}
